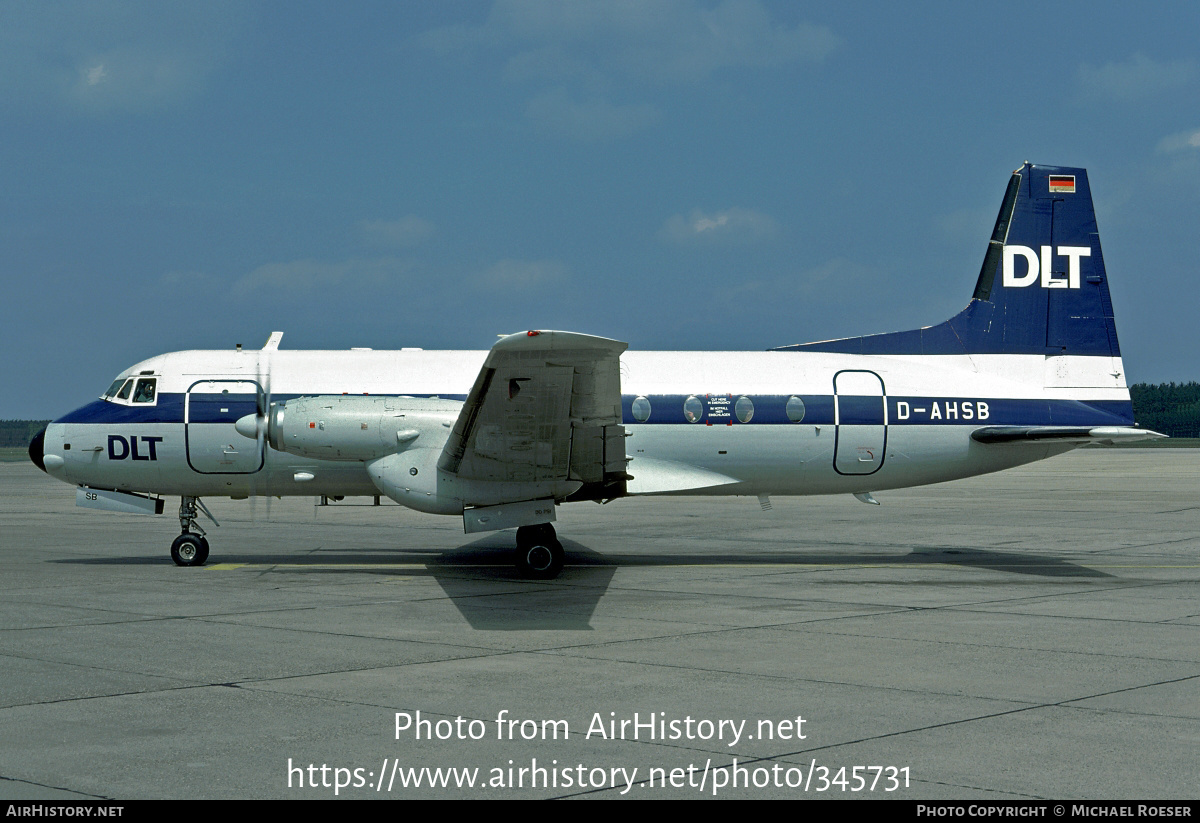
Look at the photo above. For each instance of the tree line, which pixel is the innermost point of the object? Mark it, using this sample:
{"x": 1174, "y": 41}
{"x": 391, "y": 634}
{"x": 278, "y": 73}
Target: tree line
{"x": 18, "y": 433}
{"x": 1169, "y": 408}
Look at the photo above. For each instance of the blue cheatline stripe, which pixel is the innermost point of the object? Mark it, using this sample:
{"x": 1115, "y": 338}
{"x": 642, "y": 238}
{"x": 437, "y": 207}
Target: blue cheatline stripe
{"x": 168, "y": 409}
{"x": 717, "y": 410}
{"x": 205, "y": 408}
{"x": 866, "y": 411}
{"x": 901, "y": 410}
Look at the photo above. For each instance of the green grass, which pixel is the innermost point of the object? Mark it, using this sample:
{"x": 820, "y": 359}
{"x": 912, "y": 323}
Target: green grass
{"x": 12, "y": 455}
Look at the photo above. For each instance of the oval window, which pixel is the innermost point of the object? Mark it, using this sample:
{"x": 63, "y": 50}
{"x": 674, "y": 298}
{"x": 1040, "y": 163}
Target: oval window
{"x": 744, "y": 409}
{"x": 795, "y": 409}
{"x": 693, "y": 409}
{"x": 641, "y": 409}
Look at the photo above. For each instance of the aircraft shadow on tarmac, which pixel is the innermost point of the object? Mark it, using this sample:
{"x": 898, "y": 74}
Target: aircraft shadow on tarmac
{"x": 491, "y": 596}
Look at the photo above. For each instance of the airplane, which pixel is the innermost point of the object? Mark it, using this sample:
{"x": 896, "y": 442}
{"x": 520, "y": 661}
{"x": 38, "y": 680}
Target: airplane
{"x": 1031, "y": 368}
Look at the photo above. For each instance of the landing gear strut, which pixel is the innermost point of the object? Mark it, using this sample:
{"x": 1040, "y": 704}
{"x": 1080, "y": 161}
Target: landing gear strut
{"x": 539, "y": 554}
{"x": 191, "y": 547}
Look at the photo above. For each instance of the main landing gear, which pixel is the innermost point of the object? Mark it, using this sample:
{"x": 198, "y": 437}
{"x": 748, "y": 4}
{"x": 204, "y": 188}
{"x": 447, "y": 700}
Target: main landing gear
{"x": 539, "y": 554}
{"x": 191, "y": 547}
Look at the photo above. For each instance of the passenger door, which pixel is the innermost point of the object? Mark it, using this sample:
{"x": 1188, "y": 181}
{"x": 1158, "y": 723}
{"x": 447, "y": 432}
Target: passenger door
{"x": 209, "y": 412}
{"x": 860, "y": 417}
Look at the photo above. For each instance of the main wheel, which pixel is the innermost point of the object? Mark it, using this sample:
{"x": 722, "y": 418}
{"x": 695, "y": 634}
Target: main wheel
{"x": 189, "y": 550}
{"x": 528, "y": 535}
{"x": 540, "y": 560}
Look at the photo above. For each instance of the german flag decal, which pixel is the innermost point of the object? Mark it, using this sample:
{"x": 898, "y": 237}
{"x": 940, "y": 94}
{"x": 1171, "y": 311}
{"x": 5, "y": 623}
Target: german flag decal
{"x": 1064, "y": 183}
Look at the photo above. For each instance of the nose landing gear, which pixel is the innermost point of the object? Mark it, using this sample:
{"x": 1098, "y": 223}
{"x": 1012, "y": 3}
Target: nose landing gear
{"x": 191, "y": 547}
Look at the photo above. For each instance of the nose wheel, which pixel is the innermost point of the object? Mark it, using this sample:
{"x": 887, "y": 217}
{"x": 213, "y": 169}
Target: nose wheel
{"x": 191, "y": 547}
{"x": 539, "y": 555}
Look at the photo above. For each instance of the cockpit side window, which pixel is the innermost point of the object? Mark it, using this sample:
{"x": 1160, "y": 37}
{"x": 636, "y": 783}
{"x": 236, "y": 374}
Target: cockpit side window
{"x": 145, "y": 390}
{"x": 123, "y": 394}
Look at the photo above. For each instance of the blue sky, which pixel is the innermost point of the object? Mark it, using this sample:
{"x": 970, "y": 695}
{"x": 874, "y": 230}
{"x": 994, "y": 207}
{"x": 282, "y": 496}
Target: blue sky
{"x": 678, "y": 174}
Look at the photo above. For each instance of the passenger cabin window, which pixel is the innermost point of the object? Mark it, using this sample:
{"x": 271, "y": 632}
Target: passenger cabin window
{"x": 145, "y": 390}
{"x": 795, "y": 409}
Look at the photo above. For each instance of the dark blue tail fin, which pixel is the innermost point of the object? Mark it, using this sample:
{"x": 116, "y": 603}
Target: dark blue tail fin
{"x": 1042, "y": 288}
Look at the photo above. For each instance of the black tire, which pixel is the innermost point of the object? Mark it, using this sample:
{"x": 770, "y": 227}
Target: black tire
{"x": 529, "y": 535}
{"x": 540, "y": 559}
{"x": 189, "y": 550}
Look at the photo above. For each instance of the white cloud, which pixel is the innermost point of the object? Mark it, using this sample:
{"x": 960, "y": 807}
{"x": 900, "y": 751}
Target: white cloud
{"x": 1135, "y": 78}
{"x": 583, "y": 59}
{"x": 309, "y": 278}
{"x": 407, "y": 231}
{"x": 556, "y": 112}
{"x": 665, "y": 40}
{"x": 96, "y": 75}
{"x": 735, "y": 225}
{"x": 1183, "y": 141}
{"x": 522, "y": 274}
{"x": 125, "y": 55}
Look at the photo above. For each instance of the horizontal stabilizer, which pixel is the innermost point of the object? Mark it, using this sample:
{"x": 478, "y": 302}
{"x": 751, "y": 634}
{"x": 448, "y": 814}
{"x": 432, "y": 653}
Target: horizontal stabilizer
{"x": 658, "y": 476}
{"x": 1069, "y": 434}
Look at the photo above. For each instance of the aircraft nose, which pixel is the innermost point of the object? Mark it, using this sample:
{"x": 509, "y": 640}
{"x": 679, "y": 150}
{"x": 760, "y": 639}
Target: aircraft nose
{"x": 37, "y": 448}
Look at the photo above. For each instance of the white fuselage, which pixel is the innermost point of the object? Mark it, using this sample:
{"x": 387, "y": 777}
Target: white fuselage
{"x": 868, "y": 422}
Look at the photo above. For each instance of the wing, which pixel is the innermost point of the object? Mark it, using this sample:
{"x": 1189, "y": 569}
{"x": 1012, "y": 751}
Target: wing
{"x": 1081, "y": 435}
{"x": 543, "y": 420}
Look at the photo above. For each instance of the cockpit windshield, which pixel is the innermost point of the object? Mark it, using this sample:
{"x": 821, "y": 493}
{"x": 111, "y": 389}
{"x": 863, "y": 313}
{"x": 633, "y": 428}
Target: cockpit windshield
{"x": 145, "y": 391}
{"x": 126, "y": 390}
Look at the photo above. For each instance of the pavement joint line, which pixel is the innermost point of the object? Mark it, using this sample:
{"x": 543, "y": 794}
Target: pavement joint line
{"x": 971, "y": 645}
{"x": 932, "y": 727}
{"x": 240, "y": 684}
{"x": 47, "y": 786}
{"x": 549, "y": 648}
{"x": 1071, "y": 617}
{"x": 792, "y": 678}
{"x": 779, "y": 567}
{"x": 779, "y": 677}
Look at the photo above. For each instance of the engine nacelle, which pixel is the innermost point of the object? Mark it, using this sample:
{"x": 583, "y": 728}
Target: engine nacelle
{"x": 351, "y": 427}
{"x": 412, "y": 479}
